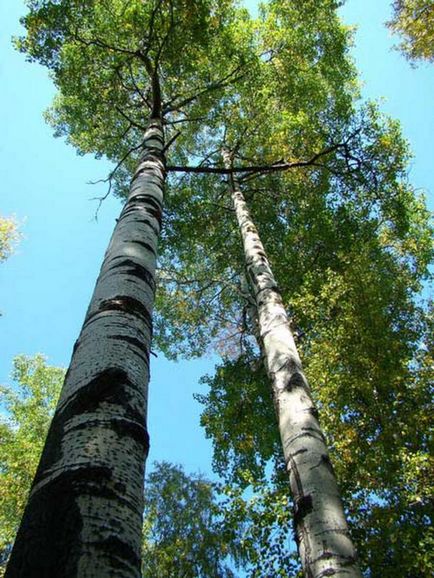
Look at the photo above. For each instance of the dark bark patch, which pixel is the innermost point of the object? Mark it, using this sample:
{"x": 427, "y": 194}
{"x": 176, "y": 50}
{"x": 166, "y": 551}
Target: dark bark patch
{"x": 120, "y": 488}
{"x": 144, "y": 200}
{"x": 119, "y": 552}
{"x": 121, "y": 426}
{"x": 271, "y": 288}
{"x": 140, "y": 345}
{"x": 137, "y": 431}
{"x": 302, "y": 451}
{"x": 154, "y": 136}
{"x": 296, "y": 380}
{"x": 314, "y": 432}
{"x": 302, "y": 507}
{"x": 145, "y": 245}
{"x": 125, "y": 304}
{"x": 314, "y": 412}
{"x": 327, "y": 572}
{"x": 146, "y": 203}
{"x": 325, "y": 460}
{"x": 75, "y": 347}
{"x": 149, "y": 223}
{"x": 48, "y": 543}
{"x": 136, "y": 270}
{"x": 109, "y": 386}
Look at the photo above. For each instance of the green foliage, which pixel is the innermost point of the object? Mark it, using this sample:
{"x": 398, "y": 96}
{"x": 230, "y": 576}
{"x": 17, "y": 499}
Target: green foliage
{"x": 266, "y": 513}
{"x": 27, "y": 408}
{"x": 239, "y": 399}
{"x": 350, "y": 243}
{"x": 413, "y": 20}
{"x": 184, "y": 534}
{"x": 103, "y": 57}
{"x": 8, "y": 236}
{"x": 197, "y": 528}
{"x": 347, "y": 237}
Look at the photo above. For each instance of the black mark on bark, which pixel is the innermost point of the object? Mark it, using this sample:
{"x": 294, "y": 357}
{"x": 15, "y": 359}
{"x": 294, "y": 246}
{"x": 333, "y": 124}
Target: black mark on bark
{"x": 109, "y": 386}
{"x": 124, "y": 304}
{"x": 136, "y": 270}
{"x": 146, "y": 246}
{"x": 296, "y": 380}
{"x": 49, "y": 542}
{"x": 302, "y": 507}
{"x": 141, "y": 345}
{"x": 119, "y": 552}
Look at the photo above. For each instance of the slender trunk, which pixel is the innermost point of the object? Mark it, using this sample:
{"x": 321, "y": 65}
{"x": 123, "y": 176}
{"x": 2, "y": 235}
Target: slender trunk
{"x": 84, "y": 514}
{"x": 321, "y": 530}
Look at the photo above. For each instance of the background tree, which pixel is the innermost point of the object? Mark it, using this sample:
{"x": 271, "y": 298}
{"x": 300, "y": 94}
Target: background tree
{"x": 185, "y": 534}
{"x": 28, "y": 407}
{"x": 8, "y": 236}
{"x": 413, "y": 20}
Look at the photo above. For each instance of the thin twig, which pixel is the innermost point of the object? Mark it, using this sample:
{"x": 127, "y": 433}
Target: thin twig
{"x": 109, "y": 180}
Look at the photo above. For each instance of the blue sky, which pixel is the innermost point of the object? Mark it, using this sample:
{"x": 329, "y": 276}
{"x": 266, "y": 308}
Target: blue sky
{"x": 46, "y": 286}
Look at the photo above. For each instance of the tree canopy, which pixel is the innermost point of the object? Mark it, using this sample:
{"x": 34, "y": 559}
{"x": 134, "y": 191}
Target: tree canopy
{"x": 184, "y": 531}
{"x": 325, "y": 177}
{"x": 413, "y": 20}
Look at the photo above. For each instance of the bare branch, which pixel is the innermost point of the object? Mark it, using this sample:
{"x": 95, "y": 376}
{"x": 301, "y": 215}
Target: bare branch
{"x": 130, "y": 120}
{"x": 172, "y": 106}
{"x": 109, "y": 179}
{"x": 263, "y": 169}
{"x": 186, "y": 119}
{"x": 138, "y": 90}
{"x": 101, "y": 44}
{"x": 171, "y": 141}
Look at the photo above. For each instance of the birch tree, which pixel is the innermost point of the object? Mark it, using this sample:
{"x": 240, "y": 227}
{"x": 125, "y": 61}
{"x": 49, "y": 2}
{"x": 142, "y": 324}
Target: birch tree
{"x": 285, "y": 104}
{"x": 321, "y": 529}
{"x": 351, "y": 242}
{"x": 84, "y": 513}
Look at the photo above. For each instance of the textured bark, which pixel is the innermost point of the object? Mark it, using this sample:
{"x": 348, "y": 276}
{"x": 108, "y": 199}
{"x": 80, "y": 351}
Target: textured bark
{"x": 84, "y": 514}
{"x": 319, "y": 521}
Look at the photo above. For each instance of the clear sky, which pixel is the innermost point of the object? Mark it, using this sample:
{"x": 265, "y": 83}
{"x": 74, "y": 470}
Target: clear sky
{"x": 46, "y": 286}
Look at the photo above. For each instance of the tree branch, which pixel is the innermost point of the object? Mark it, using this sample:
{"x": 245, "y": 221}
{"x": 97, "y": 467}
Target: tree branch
{"x": 171, "y": 106}
{"x": 276, "y": 167}
{"x": 109, "y": 179}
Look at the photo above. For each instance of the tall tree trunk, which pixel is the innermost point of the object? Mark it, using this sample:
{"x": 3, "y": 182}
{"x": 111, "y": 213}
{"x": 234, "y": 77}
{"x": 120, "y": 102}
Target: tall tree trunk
{"x": 84, "y": 514}
{"x": 321, "y": 530}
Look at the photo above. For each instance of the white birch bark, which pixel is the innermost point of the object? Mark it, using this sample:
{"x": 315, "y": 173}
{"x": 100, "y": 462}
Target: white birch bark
{"x": 84, "y": 514}
{"x": 319, "y": 521}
